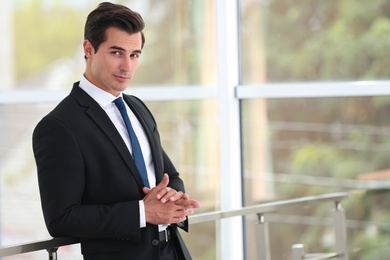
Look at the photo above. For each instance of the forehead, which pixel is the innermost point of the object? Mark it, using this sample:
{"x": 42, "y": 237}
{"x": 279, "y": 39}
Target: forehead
{"x": 120, "y": 38}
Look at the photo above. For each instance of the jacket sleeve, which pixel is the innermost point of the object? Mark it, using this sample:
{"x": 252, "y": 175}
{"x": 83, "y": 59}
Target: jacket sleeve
{"x": 61, "y": 178}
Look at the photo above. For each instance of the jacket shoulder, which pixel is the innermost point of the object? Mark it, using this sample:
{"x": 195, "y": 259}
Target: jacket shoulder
{"x": 140, "y": 106}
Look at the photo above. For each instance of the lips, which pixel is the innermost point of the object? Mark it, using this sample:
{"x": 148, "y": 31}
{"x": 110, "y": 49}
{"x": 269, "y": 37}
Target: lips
{"x": 122, "y": 77}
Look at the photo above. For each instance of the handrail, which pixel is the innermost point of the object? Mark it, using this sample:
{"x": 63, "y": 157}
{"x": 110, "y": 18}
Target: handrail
{"x": 54, "y": 243}
{"x": 37, "y": 246}
{"x": 268, "y": 207}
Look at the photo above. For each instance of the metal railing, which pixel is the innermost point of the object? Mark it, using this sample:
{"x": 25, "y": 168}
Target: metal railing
{"x": 262, "y": 241}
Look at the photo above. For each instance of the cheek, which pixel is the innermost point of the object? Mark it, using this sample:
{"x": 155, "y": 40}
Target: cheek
{"x": 110, "y": 64}
{"x": 99, "y": 66}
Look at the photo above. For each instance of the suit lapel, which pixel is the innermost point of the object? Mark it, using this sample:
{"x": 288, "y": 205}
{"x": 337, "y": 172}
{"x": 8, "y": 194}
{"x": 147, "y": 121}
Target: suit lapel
{"x": 102, "y": 121}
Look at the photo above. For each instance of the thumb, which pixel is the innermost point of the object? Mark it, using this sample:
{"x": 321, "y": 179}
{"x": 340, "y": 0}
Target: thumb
{"x": 146, "y": 190}
{"x": 164, "y": 182}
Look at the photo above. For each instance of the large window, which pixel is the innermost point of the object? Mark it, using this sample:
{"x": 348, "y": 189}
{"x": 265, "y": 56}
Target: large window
{"x": 296, "y": 89}
{"x": 307, "y": 128}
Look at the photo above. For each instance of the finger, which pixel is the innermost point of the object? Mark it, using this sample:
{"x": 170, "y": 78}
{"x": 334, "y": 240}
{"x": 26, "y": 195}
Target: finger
{"x": 161, "y": 195}
{"x": 183, "y": 203}
{"x": 183, "y": 214}
{"x": 146, "y": 190}
{"x": 190, "y": 211}
{"x": 180, "y": 216}
{"x": 166, "y": 193}
{"x": 185, "y": 196}
{"x": 178, "y": 195}
{"x": 163, "y": 184}
{"x": 171, "y": 195}
{"x": 178, "y": 219}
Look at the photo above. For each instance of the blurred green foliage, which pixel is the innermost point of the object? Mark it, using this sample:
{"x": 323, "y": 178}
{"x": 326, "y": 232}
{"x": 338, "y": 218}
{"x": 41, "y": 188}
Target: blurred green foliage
{"x": 330, "y": 138}
{"x": 43, "y": 34}
{"x": 327, "y": 40}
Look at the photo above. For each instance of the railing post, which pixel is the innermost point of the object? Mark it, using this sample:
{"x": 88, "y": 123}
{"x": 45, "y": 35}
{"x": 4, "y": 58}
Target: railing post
{"x": 262, "y": 238}
{"x": 298, "y": 252}
{"x": 52, "y": 253}
{"x": 340, "y": 232}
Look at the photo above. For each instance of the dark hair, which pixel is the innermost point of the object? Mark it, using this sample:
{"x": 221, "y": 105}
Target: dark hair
{"x": 108, "y": 15}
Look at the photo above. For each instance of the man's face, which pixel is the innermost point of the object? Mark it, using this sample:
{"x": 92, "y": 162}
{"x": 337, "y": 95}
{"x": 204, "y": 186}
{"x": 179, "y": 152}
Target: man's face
{"x": 112, "y": 67}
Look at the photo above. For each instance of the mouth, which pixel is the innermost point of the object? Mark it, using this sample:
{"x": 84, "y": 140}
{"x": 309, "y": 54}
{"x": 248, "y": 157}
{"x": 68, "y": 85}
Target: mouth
{"x": 122, "y": 77}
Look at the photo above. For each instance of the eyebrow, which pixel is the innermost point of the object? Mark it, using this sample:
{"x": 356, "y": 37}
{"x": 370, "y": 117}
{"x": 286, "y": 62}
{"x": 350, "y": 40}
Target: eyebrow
{"x": 122, "y": 49}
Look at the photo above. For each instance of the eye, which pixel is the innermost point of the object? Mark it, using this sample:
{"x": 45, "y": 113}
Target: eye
{"x": 135, "y": 55}
{"x": 116, "y": 53}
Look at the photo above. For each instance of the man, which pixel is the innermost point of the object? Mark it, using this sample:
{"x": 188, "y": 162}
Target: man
{"x": 90, "y": 185}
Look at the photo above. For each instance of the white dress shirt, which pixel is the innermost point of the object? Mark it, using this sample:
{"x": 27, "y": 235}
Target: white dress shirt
{"x": 105, "y": 100}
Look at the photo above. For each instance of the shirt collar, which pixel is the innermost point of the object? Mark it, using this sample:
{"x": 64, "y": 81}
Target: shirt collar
{"x": 102, "y": 97}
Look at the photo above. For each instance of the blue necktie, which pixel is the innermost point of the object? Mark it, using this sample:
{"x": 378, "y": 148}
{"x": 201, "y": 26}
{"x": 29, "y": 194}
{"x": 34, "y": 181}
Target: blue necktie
{"x": 137, "y": 152}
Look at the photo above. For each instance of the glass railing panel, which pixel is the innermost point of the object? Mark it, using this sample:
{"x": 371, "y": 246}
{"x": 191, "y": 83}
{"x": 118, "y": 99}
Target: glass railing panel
{"x": 307, "y": 146}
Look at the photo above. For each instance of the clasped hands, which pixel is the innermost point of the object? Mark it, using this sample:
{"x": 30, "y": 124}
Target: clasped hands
{"x": 164, "y": 205}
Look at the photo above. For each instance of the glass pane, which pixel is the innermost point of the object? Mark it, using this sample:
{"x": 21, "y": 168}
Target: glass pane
{"x": 179, "y": 48}
{"x": 302, "y": 147}
{"x": 190, "y": 135}
{"x": 20, "y": 213}
{"x": 19, "y": 185}
{"x": 286, "y": 41}
{"x": 180, "y": 43}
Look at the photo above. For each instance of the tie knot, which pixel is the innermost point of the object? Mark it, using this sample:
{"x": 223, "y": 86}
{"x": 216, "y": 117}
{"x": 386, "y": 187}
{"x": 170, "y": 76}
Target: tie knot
{"x": 119, "y": 103}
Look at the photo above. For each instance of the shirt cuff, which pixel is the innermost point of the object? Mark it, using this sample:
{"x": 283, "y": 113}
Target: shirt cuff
{"x": 142, "y": 218}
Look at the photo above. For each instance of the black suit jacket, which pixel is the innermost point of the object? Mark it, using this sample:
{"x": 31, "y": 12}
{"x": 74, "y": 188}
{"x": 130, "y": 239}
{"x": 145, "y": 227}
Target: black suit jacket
{"x": 89, "y": 184}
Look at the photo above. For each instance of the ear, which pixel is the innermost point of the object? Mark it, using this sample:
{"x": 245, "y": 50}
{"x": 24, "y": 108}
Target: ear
{"x": 88, "y": 49}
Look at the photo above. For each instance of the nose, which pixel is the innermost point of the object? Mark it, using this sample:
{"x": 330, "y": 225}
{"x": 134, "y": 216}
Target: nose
{"x": 126, "y": 64}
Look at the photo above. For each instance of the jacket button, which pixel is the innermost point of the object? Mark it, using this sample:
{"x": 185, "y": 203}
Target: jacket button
{"x": 155, "y": 242}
